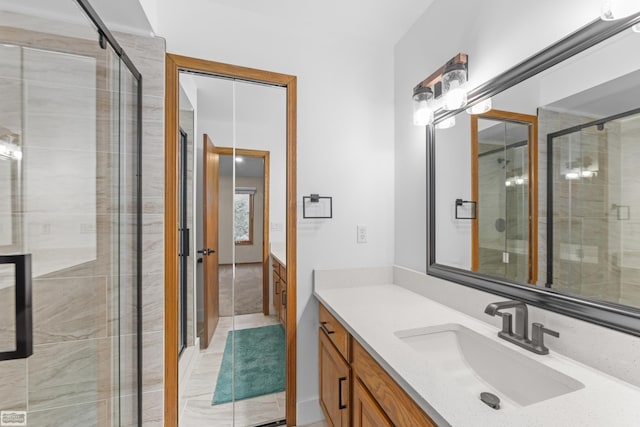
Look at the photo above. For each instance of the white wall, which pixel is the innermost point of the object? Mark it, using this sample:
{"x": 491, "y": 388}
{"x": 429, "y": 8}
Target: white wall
{"x": 345, "y": 141}
{"x": 496, "y": 35}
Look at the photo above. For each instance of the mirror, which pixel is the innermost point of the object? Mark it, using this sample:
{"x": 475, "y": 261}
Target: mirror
{"x": 553, "y": 230}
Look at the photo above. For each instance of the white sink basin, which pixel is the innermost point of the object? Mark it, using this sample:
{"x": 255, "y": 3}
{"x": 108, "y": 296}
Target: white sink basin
{"x": 479, "y": 364}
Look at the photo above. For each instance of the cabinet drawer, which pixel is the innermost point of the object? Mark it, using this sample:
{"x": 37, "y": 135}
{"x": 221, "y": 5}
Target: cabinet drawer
{"x": 283, "y": 273}
{"x": 335, "y": 331}
{"x": 394, "y": 401}
{"x": 335, "y": 383}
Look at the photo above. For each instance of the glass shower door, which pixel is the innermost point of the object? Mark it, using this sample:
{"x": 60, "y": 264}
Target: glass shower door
{"x": 68, "y": 226}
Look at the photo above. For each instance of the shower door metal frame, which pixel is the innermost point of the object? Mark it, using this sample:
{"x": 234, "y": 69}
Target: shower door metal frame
{"x": 550, "y": 138}
{"x": 105, "y": 36}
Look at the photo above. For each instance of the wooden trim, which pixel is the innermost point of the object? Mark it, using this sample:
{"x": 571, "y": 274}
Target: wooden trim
{"x": 532, "y": 121}
{"x": 174, "y": 63}
{"x": 171, "y": 283}
{"x": 475, "y": 238}
{"x": 251, "y": 217}
{"x": 292, "y": 129}
{"x": 533, "y": 201}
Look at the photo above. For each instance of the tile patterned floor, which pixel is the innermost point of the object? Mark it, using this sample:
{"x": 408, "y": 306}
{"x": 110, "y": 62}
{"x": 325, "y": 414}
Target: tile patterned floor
{"x": 195, "y": 404}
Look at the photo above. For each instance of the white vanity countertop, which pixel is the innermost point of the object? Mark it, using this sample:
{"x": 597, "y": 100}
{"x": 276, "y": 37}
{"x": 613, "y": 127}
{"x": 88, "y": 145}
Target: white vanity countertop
{"x": 373, "y": 313}
{"x": 279, "y": 252}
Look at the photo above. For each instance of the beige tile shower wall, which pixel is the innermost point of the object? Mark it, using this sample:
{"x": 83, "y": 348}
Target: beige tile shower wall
{"x": 548, "y": 122}
{"x": 148, "y": 54}
{"x": 592, "y": 221}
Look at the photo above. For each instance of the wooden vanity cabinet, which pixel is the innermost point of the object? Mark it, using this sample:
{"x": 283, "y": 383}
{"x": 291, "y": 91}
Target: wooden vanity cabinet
{"x": 366, "y": 411}
{"x": 375, "y": 399}
{"x": 279, "y": 275}
{"x": 335, "y": 380}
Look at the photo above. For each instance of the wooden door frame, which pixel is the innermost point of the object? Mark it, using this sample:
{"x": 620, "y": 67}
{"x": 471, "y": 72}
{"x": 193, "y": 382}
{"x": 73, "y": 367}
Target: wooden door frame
{"x": 260, "y": 154}
{"x": 532, "y": 173}
{"x": 173, "y": 65}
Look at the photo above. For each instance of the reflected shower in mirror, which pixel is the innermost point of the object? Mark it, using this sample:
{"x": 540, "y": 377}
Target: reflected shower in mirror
{"x": 502, "y": 240}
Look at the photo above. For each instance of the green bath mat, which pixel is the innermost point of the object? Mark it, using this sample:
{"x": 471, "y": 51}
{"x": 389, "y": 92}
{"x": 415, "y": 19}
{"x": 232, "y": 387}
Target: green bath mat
{"x": 259, "y": 364}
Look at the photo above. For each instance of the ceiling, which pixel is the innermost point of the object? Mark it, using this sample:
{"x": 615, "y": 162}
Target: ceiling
{"x": 610, "y": 98}
{"x": 385, "y": 21}
{"x": 248, "y": 167}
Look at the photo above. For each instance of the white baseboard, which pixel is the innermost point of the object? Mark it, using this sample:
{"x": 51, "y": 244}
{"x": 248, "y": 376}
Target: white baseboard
{"x": 309, "y": 412}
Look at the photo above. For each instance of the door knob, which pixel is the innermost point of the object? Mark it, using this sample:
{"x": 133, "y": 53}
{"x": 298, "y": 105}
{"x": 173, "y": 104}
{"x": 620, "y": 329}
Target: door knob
{"x": 206, "y": 251}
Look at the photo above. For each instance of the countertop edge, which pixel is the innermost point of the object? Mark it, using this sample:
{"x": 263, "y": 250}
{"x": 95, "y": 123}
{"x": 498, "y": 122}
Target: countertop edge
{"x": 420, "y": 401}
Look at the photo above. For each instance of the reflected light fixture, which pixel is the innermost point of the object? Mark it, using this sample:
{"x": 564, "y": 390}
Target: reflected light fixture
{"x": 481, "y": 107}
{"x": 572, "y": 175}
{"x": 422, "y": 111}
{"x": 454, "y": 92}
{"x": 239, "y": 159}
{"x": 616, "y": 9}
{"x": 446, "y": 123}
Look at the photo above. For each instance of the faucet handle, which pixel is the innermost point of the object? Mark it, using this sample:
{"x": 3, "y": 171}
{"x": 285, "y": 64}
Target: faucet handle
{"x": 537, "y": 336}
{"x": 506, "y": 323}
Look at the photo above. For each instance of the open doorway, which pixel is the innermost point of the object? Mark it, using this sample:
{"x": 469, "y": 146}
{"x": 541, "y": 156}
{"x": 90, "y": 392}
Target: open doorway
{"x": 250, "y": 181}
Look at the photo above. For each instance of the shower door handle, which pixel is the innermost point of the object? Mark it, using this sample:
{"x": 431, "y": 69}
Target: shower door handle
{"x": 24, "y": 325}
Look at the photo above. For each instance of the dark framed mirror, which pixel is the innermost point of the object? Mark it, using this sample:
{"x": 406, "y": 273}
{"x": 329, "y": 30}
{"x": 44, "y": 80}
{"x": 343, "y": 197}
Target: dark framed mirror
{"x": 580, "y": 88}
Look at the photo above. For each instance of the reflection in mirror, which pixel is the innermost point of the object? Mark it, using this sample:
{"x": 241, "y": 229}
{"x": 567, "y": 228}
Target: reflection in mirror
{"x": 593, "y": 249}
{"x": 586, "y": 112}
{"x": 503, "y": 237}
{"x": 239, "y": 203}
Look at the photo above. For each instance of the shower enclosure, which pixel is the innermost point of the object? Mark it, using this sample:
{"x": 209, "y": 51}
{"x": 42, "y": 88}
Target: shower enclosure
{"x": 593, "y": 249}
{"x": 69, "y": 219}
{"x": 501, "y": 234}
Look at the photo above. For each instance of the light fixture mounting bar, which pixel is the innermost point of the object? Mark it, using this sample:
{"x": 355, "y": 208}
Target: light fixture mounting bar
{"x": 436, "y": 76}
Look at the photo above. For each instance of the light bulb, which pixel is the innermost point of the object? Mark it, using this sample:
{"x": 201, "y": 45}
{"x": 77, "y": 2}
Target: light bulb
{"x": 481, "y": 107}
{"x": 519, "y": 180}
{"x": 422, "y": 112}
{"x": 453, "y": 90}
{"x": 508, "y": 183}
{"x": 239, "y": 160}
{"x": 572, "y": 175}
{"x": 588, "y": 174}
{"x": 446, "y": 123}
{"x": 616, "y": 9}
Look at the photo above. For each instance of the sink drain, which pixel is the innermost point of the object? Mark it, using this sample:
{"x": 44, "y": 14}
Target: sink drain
{"x": 490, "y": 399}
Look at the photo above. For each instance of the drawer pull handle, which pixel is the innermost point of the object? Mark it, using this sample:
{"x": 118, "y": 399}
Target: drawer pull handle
{"x": 323, "y": 325}
{"x": 340, "y": 381}
{"x": 284, "y": 298}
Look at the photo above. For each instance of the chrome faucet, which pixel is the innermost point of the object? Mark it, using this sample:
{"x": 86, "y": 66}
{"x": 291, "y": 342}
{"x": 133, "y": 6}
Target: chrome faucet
{"x": 521, "y": 336}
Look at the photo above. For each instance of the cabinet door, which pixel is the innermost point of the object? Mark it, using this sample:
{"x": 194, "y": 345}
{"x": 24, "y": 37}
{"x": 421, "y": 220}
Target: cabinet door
{"x": 366, "y": 412}
{"x": 334, "y": 384}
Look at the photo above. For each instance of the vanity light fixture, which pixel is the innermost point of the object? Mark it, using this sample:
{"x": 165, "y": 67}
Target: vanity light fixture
{"x": 446, "y": 123}
{"x": 422, "y": 110}
{"x": 616, "y": 9}
{"x": 453, "y": 86}
{"x": 445, "y": 87}
{"x": 481, "y": 107}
